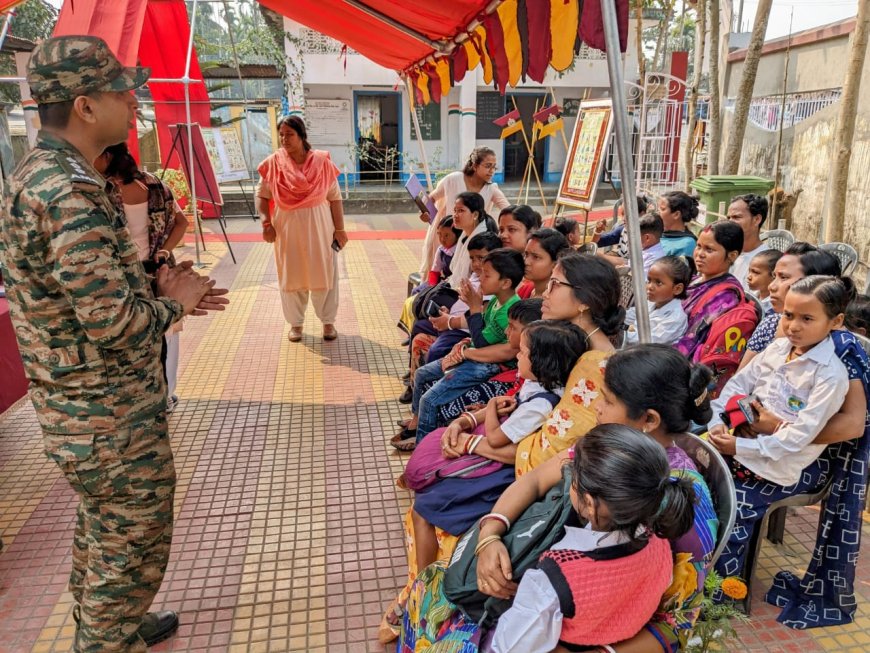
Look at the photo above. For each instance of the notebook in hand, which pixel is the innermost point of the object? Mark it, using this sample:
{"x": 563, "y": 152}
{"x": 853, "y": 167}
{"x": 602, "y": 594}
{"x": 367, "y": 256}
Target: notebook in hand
{"x": 420, "y": 197}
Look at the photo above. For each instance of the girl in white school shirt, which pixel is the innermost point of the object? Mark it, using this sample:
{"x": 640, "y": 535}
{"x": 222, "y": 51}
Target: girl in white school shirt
{"x": 797, "y": 384}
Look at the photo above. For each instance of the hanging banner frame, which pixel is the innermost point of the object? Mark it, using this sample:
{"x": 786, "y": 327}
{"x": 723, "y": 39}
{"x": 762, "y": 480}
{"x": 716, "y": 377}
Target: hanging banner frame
{"x": 589, "y": 142}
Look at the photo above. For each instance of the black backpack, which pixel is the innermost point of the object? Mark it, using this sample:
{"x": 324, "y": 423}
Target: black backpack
{"x": 536, "y": 531}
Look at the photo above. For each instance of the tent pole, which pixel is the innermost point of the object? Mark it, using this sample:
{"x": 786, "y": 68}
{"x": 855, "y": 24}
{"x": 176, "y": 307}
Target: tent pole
{"x": 392, "y": 22}
{"x": 186, "y": 81}
{"x": 242, "y": 88}
{"x": 412, "y": 104}
{"x": 626, "y": 165}
{"x": 9, "y": 16}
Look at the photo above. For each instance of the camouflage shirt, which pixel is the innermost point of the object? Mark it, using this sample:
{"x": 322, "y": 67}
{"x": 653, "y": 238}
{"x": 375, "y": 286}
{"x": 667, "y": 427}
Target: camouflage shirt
{"x": 88, "y": 326}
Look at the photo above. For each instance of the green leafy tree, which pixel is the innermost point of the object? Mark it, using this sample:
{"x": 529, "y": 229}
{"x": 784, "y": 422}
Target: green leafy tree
{"x": 33, "y": 20}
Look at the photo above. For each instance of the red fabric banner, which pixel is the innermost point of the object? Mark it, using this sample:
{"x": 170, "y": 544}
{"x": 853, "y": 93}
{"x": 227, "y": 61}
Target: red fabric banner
{"x": 163, "y": 48}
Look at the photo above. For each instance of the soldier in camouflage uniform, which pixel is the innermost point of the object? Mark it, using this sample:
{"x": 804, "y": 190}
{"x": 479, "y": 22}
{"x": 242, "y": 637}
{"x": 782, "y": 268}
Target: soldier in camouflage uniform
{"x": 90, "y": 330}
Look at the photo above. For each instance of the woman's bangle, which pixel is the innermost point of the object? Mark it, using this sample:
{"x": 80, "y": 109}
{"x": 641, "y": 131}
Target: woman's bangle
{"x": 485, "y": 542}
{"x": 477, "y": 440}
{"x": 607, "y": 649}
{"x": 473, "y": 419}
{"x": 498, "y": 517}
{"x": 449, "y": 317}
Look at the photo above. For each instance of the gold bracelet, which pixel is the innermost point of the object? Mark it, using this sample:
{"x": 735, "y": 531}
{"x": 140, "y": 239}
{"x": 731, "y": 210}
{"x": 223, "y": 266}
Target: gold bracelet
{"x": 485, "y": 542}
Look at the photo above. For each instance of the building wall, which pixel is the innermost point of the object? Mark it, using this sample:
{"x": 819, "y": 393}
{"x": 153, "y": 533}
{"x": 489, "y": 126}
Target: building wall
{"x": 333, "y": 74}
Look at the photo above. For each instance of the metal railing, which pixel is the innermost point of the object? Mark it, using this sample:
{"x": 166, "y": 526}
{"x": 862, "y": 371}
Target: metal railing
{"x": 765, "y": 112}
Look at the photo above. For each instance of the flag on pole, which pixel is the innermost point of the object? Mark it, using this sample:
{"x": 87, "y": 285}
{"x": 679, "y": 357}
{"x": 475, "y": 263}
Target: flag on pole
{"x": 510, "y": 123}
{"x": 548, "y": 121}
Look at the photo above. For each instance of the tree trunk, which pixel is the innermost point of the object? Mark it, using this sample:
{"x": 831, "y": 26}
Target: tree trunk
{"x": 663, "y": 35}
{"x": 744, "y": 91}
{"x": 698, "y": 64}
{"x": 846, "y": 127}
{"x": 641, "y": 60}
{"x": 715, "y": 96}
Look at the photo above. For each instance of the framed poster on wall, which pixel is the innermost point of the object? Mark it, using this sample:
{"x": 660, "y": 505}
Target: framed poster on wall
{"x": 586, "y": 154}
{"x": 331, "y": 122}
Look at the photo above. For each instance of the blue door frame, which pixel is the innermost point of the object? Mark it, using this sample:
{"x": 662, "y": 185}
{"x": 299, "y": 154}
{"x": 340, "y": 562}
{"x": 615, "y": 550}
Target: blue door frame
{"x": 356, "y": 175}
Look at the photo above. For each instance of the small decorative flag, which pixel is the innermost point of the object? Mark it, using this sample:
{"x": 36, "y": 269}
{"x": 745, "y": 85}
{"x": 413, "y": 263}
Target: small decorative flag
{"x": 510, "y": 122}
{"x": 548, "y": 121}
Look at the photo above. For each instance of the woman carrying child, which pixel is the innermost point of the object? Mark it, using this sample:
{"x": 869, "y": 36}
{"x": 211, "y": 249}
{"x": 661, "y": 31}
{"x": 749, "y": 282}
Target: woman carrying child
{"x": 793, "y": 388}
{"x": 848, "y": 454}
{"x": 650, "y": 388}
{"x": 547, "y": 352}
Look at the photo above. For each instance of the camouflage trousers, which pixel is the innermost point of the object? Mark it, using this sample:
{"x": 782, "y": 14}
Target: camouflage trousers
{"x": 126, "y": 484}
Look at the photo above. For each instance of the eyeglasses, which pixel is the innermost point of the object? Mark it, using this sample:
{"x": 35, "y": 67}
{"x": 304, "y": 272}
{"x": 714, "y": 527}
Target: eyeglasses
{"x": 558, "y": 282}
{"x": 489, "y": 166}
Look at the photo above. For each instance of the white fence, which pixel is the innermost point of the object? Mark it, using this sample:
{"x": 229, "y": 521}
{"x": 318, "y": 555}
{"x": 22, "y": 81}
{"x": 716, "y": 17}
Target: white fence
{"x": 765, "y": 112}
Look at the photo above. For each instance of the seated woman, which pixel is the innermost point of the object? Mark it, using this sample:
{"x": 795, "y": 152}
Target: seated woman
{"x": 515, "y": 223}
{"x": 848, "y": 453}
{"x": 714, "y": 291}
{"x": 569, "y": 297}
{"x": 543, "y": 250}
{"x": 650, "y": 388}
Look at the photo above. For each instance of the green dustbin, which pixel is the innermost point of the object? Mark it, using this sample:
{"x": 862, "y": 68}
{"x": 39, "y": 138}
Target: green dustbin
{"x": 716, "y": 189}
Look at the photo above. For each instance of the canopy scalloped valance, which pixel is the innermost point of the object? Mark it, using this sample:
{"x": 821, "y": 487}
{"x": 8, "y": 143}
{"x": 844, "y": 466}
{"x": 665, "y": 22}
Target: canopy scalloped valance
{"x": 435, "y": 43}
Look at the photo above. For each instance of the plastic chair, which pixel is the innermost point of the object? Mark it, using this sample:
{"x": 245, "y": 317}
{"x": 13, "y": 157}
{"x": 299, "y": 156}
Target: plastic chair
{"x": 778, "y": 239}
{"x": 773, "y": 524}
{"x": 846, "y": 254}
{"x": 587, "y": 248}
{"x": 717, "y": 474}
{"x": 413, "y": 281}
{"x": 626, "y": 290}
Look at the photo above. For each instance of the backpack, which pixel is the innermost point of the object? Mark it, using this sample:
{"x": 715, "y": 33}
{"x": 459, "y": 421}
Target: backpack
{"x": 440, "y": 294}
{"x": 427, "y": 464}
{"x": 723, "y": 348}
{"x": 537, "y": 530}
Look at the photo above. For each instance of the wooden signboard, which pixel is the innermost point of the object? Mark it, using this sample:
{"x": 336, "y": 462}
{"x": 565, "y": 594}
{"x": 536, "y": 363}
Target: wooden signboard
{"x": 225, "y": 151}
{"x": 586, "y": 154}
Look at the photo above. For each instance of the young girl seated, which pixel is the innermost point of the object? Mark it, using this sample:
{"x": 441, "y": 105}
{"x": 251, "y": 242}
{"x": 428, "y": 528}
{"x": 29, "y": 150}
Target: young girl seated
{"x": 760, "y": 276}
{"x": 666, "y": 285}
{"x": 569, "y": 228}
{"x": 448, "y": 236}
{"x": 651, "y": 388}
{"x": 548, "y": 352}
{"x": 787, "y": 394}
{"x": 603, "y": 581}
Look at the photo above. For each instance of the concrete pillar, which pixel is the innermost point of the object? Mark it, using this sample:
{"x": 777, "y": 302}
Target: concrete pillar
{"x": 451, "y": 132}
{"x": 467, "y": 116}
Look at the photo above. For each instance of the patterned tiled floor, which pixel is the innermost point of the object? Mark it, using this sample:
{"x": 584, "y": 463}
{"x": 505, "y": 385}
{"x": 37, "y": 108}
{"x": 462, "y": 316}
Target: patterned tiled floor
{"x": 288, "y": 534}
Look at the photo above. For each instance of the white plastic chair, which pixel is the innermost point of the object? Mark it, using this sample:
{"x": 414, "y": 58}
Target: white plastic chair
{"x": 846, "y": 254}
{"x": 778, "y": 239}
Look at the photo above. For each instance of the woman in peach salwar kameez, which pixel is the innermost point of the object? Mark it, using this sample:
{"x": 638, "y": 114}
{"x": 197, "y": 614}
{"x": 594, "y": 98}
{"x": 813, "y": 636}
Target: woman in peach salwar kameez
{"x": 308, "y": 218}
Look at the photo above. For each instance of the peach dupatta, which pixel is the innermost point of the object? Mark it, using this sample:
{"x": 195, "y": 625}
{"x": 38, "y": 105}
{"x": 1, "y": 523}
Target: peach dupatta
{"x": 298, "y": 187}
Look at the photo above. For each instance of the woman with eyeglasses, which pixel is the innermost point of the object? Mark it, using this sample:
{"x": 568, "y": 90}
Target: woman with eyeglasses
{"x": 475, "y": 176}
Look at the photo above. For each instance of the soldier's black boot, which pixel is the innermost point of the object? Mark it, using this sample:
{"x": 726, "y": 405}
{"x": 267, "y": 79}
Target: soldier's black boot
{"x": 157, "y": 626}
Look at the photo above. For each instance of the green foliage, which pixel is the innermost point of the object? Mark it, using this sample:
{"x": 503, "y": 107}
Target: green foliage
{"x": 174, "y": 178}
{"x": 33, "y": 20}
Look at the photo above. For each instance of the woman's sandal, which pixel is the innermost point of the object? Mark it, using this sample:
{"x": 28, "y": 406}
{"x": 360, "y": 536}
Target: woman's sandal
{"x": 295, "y": 334}
{"x": 329, "y": 332}
{"x": 388, "y": 631}
{"x": 404, "y": 422}
{"x": 405, "y": 440}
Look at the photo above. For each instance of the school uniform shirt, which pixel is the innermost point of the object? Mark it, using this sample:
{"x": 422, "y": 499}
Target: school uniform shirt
{"x": 530, "y": 414}
{"x": 667, "y": 324}
{"x": 533, "y": 624}
{"x": 804, "y": 392}
{"x": 740, "y": 267}
{"x": 651, "y": 255}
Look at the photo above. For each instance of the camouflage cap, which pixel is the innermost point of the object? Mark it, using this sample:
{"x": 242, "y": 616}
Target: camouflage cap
{"x": 66, "y": 67}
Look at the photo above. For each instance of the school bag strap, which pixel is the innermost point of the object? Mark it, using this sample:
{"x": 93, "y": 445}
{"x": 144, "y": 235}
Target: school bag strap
{"x": 539, "y": 527}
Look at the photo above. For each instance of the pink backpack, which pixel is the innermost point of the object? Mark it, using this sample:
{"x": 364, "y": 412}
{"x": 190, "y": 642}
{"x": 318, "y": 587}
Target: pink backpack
{"x": 428, "y": 465}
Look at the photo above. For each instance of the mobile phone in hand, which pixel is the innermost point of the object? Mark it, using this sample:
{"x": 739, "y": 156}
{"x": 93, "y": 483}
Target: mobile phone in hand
{"x": 335, "y": 245}
{"x": 746, "y": 408}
